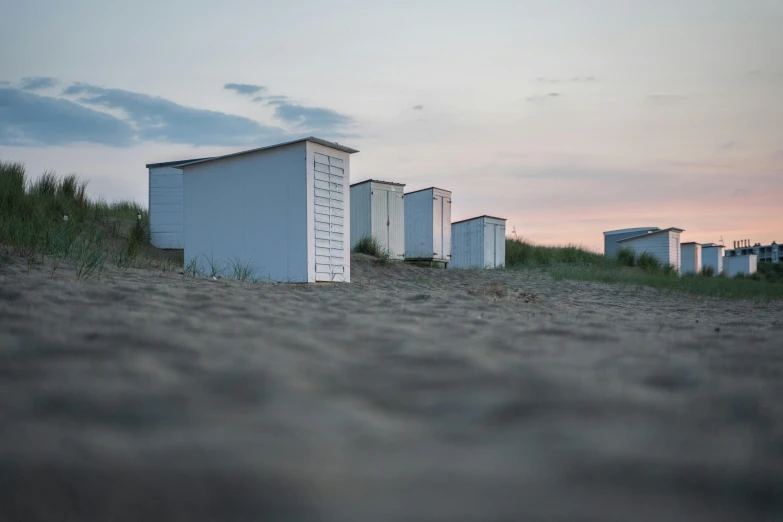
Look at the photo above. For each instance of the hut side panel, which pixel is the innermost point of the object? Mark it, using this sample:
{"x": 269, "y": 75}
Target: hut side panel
{"x": 656, "y": 245}
{"x": 418, "y": 225}
{"x": 712, "y": 257}
{"x": 165, "y": 207}
{"x": 691, "y": 258}
{"x": 611, "y": 238}
{"x": 740, "y": 265}
{"x": 361, "y": 223}
{"x": 468, "y": 244}
{"x": 251, "y": 209}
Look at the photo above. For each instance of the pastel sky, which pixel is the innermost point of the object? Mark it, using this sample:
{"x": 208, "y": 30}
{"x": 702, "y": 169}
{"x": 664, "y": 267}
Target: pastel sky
{"x": 568, "y": 117}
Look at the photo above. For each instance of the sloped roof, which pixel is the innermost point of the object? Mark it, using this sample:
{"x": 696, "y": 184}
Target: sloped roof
{"x": 172, "y": 163}
{"x": 379, "y": 181}
{"x": 478, "y": 217}
{"x": 665, "y": 230}
{"x": 428, "y": 188}
{"x": 311, "y": 139}
{"x": 626, "y": 230}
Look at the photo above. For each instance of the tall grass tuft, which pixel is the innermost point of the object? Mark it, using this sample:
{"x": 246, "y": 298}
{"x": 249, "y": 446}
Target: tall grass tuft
{"x": 192, "y": 269}
{"x": 626, "y": 257}
{"x": 649, "y": 263}
{"x": 214, "y": 268}
{"x": 52, "y": 216}
{"x": 242, "y": 271}
{"x": 520, "y": 253}
{"x": 370, "y": 246}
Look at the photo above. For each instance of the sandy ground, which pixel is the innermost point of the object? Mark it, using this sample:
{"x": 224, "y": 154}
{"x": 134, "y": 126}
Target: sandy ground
{"x": 409, "y": 395}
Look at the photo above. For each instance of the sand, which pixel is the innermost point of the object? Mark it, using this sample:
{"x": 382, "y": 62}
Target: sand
{"x": 409, "y": 395}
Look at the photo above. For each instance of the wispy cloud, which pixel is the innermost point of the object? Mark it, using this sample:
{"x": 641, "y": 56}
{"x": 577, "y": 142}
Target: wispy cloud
{"x": 28, "y": 119}
{"x": 304, "y": 118}
{"x": 4, "y": 82}
{"x": 158, "y": 119}
{"x": 418, "y": 107}
{"x": 244, "y": 89}
{"x": 34, "y": 83}
{"x": 271, "y": 100}
{"x": 728, "y": 145}
{"x": 542, "y": 98}
{"x": 312, "y": 118}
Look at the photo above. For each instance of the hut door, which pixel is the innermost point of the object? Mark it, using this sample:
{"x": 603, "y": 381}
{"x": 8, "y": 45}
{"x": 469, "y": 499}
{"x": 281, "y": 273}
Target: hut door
{"x": 446, "y": 225}
{"x": 396, "y": 223}
{"x": 500, "y": 246}
{"x": 329, "y": 219}
{"x": 490, "y": 246}
{"x": 380, "y": 217}
{"x": 437, "y": 227}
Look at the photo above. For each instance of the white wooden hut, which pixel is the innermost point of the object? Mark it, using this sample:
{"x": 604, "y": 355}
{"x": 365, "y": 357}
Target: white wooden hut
{"x": 165, "y": 204}
{"x": 735, "y": 265}
{"x": 712, "y": 257}
{"x": 663, "y": 244}
{"x": 282, "y": 211}
{"x": 690, "y": 254}
{"x": 378, "y": 211}
{"x": 611, "y": 238}
{"x": 428, "y": 225}
{"x": 478, "y": 242}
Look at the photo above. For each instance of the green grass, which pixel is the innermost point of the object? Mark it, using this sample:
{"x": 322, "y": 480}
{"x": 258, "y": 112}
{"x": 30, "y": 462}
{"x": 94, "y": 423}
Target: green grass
{"x": 520, "y": 253}
{"x": 370, "y": 246}
{"x": 580, "y": 264}
{"x": 52, "y": 217}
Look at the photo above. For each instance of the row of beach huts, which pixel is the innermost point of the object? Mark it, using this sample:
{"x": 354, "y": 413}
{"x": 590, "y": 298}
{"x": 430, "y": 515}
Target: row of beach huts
{"x": 289, "y": 212}
{"x": 686, "y": 258}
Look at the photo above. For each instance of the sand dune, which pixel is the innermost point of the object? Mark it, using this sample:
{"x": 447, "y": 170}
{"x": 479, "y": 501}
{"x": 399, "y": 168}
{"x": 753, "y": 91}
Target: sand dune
{"x": 409, "y": 395}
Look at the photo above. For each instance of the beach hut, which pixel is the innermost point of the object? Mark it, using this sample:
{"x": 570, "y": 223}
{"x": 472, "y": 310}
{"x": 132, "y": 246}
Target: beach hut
{"x": 378, "y": 211}
{"x": 690, "y": 254}
{"x": 611, "y": 238}
{"x": 478, "y": 242}
{"x": 664, "y": 245}
{"x": 165, "y": 204}
{"x": 281, "y": 211}
{"x": 735, "y": 265}
{"x": 712, "y": 257}
{"x": 428, "y": 225}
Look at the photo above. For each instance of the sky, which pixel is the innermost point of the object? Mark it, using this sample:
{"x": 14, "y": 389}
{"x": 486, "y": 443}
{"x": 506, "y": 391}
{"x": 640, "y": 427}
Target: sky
{"x": 567, "y": 117}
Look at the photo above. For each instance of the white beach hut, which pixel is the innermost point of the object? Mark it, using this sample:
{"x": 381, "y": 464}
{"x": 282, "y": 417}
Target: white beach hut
{"x": 428, "y": 225}
{"x": 611, "y": 238}
{"x": 165, "y": 204}
{"x": 281, "y": 210}
{"x": 663, "y": 244}
{"x": 478, "y": 242}
{"x": 691, "y": 258}
{"x": 378, "y": 211}
{"x": 735, "y": 265}
{"x": 712, "y": 257}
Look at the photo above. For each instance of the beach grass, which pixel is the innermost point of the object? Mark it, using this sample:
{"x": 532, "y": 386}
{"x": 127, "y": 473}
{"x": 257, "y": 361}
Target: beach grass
{"x": 577, "y": 263}
{"x": 51, "y": 218}
{"x": 370, "y": 246}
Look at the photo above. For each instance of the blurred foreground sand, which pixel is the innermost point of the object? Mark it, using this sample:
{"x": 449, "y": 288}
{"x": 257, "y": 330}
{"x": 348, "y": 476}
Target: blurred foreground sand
{"x": 409, "y": 395}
